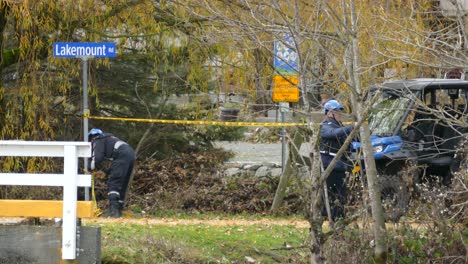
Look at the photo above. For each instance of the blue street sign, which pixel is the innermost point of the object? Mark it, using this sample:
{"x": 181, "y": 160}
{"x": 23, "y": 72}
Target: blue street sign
{"x": 85, "y": 49}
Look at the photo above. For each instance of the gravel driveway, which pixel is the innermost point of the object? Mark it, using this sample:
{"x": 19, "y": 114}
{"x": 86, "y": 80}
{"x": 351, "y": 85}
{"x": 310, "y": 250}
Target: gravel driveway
{"x": 256, "y": 153}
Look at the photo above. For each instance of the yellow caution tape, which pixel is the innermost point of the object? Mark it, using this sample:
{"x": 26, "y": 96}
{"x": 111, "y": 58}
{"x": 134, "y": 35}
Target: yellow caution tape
{"x": 201, "y": 122}
{"x": 196, "y": 122}
{"x": 97, "y": 212}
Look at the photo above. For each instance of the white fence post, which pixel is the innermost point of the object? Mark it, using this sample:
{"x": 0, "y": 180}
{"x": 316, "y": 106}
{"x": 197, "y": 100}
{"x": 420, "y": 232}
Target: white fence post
{"x": 70, "y": 168}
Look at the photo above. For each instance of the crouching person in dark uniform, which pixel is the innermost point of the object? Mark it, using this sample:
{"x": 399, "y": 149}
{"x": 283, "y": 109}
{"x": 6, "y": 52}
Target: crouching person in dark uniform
{"x": 333, "y": 135}
{"x": 107, "y": 146}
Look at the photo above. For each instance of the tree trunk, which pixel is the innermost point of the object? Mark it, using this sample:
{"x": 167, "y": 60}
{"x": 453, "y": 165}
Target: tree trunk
{"x": 353, "y": 62}
{"x": 3, "y": 20}
{"x": 380, "y": 233}
{"x": 465, "y": 32}
{"x": 260, "y": 90}
{"x": 316, "y": 199}
{"x": 297, "y": 40}
{"x": 289, "y": 170}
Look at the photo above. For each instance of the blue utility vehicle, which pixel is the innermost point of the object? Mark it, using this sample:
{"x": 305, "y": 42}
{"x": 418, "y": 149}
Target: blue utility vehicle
{"x": 419, "y": 132}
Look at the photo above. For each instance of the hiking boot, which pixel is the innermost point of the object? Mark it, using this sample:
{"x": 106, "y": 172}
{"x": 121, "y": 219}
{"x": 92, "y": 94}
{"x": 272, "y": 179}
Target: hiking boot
{"x": 115, "y": 210}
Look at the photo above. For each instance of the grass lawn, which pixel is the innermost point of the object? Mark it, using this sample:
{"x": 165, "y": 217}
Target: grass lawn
{"x": 202, "y": 243}
{"x": 260, "y": 239}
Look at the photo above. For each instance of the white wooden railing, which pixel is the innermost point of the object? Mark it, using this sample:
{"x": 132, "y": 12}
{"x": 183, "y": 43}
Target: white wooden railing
{"x": 70, "y": 180}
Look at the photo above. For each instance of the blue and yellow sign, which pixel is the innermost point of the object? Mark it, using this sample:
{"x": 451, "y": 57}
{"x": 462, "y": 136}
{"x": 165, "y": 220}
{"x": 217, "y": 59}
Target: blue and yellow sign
{"x": 285, "y": 83}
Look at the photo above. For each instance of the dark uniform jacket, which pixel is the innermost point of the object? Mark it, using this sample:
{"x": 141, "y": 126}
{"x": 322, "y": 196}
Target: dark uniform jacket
{"x": 103, "y": 149}
{"x": 333, "y": 135}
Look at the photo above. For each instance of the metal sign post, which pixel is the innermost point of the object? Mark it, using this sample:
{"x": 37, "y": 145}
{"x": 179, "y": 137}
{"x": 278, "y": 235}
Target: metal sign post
{"x": 284, "y": 107}
{"x": 285, "y": 82}
{"x": 84, "y": 59}
{"x": 85, "y": 51}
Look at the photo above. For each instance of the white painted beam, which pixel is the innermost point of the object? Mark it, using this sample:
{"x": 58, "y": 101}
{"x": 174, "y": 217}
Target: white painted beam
{"x": 42, "y": 148}
{"x": 39, "y": 179}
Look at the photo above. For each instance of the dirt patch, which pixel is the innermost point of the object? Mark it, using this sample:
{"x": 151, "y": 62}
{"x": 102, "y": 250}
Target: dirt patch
{"x": 212, "y": 222}
{"x": 297, "y": 223}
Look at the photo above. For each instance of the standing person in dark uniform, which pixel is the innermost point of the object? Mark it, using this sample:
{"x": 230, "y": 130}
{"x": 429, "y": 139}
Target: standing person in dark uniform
{"x": 107, "y": 146}
{"x": 333, "y": 135}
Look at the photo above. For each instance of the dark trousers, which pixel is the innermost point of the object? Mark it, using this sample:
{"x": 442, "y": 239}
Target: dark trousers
{"x": 336, "y": 187}
{"x": 337, "y": 191}
{"x": 121, "y": 170}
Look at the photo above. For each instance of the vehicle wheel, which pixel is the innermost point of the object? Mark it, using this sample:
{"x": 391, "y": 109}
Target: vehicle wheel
{"x": 395, "y": 196}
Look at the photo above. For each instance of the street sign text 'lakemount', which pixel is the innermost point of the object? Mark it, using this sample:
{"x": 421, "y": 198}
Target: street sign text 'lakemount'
{"x": 85, "y": 49}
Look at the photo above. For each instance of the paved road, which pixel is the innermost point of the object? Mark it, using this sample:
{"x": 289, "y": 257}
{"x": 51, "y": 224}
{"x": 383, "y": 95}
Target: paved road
{"x": 255, "y": 153}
